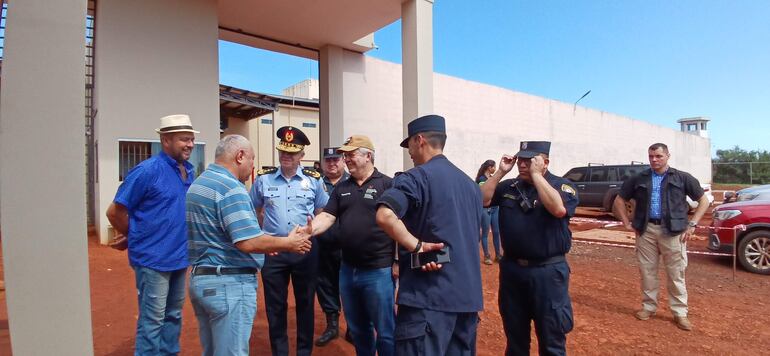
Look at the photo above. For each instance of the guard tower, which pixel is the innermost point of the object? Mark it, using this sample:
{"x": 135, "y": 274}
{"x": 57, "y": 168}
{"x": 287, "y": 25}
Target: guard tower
{"x": 695, "y": 125}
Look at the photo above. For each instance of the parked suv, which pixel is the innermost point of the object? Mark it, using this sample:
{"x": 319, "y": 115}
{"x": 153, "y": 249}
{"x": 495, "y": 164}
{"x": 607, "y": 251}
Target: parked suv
{"x": 598, "y": 184}
{"x": 754, "y": 243}
{"x": 758, "y": 192}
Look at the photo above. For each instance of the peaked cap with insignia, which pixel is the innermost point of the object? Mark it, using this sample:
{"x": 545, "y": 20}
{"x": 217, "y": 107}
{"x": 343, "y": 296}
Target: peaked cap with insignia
{"x": 292, "y": 139}
{"x": 529, "y": 149}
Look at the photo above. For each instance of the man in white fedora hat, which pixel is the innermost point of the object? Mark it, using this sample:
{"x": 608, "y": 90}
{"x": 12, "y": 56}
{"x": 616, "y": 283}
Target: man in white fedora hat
{"x": 149, "y": 210}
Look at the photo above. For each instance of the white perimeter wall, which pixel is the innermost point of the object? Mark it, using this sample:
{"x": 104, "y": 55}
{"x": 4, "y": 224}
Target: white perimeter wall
{"x": 154, "y": 58}
{"x": 151, "y": 66}
{"x": 484, "y": 121}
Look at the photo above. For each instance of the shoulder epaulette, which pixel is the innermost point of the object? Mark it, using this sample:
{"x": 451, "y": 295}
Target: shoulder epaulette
{"x": 311, "y": 173}
{"x": 267, "y": 170}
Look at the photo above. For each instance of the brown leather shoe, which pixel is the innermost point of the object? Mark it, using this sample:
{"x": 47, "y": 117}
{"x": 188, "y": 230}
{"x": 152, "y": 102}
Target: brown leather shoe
{"x": 644, "y": 314}
{"x": 683, "y": 323}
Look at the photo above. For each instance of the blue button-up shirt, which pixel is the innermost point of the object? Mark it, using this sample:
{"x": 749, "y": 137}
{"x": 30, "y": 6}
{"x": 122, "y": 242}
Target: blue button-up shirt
{"x": 153, "y": 192}
{"x": 655, "y": 197}
{"x": 287, "y": 201}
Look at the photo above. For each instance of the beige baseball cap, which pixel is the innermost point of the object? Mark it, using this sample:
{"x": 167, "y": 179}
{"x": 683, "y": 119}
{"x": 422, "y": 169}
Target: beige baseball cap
{"x": 355, "y": 142}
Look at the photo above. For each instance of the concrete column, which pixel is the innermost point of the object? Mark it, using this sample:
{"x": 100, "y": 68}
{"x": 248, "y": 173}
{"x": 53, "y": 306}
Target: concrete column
{"x": 332, "y": 96}
{"x": 42, "y": 155}
{"x": 417, "y": 59}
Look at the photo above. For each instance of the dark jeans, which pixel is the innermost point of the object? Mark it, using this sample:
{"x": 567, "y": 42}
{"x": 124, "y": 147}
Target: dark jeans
{"x": 276, "y": 273}
{"x": 368, "y": 297}
{"x": 427, "y": 332}
{"x": 538, "y": 293}
{"x": 491, "y": 218}
{"x": 328, "y": 288}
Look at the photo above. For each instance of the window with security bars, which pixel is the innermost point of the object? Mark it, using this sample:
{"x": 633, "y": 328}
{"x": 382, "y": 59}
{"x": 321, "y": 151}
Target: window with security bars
{"x": 131, "y": 153}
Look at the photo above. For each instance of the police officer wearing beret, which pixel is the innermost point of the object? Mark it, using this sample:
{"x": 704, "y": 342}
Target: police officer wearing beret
{"x": 432, "y": 206}
{"x": 287, "y": 197}
{"x": 535, "y": 208}
{"x": 330, "y": 255}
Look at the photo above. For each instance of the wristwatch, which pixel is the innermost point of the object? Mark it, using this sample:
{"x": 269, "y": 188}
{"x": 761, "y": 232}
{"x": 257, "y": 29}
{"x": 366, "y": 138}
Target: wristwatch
{"x": 692, "y": 224}
{"x": 417, "y": 248}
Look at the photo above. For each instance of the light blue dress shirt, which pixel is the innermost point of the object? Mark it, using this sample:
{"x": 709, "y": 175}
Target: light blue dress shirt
{"x": 287, "y": 201}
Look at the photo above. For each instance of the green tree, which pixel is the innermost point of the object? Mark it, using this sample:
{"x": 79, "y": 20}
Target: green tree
{"x": 736, "y": 165}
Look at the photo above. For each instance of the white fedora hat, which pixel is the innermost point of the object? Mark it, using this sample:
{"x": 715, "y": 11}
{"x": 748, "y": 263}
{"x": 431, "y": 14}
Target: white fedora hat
{"x": 175, "y": 123}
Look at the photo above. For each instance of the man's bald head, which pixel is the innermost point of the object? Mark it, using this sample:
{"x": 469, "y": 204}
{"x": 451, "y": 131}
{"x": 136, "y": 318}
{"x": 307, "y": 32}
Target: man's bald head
{"x": 229, "y": 146}
{"x": 235, "y": 153}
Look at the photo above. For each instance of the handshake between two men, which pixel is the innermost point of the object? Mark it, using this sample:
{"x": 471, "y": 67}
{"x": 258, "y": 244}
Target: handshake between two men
{"x": 298, "y": 240}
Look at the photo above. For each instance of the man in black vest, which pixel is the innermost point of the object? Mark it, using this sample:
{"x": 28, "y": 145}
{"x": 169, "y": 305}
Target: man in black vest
{"x": 661, "y": 227}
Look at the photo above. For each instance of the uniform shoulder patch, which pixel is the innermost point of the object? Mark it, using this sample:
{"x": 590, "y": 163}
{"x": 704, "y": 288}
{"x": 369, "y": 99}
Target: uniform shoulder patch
{"x": 567, "y": 189}
{"x": 311, "y": 173}
{"x": 267, "y": 170}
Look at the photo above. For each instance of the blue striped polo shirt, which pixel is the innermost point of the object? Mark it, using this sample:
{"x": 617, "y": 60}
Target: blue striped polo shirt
{"x": 219, "y": 213}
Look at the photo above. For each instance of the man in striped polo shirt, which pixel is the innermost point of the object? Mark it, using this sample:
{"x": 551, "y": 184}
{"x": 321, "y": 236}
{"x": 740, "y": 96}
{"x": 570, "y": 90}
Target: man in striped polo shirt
{"x": 226, "y": 247}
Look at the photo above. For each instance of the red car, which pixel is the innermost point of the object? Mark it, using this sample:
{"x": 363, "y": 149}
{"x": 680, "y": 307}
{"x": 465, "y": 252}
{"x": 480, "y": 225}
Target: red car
{"x": 754, "y": 243}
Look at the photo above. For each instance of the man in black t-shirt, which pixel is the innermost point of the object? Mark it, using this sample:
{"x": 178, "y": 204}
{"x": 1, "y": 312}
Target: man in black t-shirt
{"x": 366, "y": 276}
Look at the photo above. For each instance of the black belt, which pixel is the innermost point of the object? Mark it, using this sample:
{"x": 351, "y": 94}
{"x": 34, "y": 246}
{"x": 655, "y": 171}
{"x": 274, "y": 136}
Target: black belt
{"x": 654, "y": 221}
{"x": 534, "y": 263}
{"x": 203, "y": 270}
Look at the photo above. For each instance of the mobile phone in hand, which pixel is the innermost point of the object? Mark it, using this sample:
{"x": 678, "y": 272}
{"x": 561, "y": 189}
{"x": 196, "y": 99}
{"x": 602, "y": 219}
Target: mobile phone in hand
{"x": 423, "y": 258}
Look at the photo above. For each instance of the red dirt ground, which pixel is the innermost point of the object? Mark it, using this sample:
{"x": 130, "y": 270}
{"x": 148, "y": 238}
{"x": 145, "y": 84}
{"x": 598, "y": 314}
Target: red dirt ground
{"x": 729, "y": 316}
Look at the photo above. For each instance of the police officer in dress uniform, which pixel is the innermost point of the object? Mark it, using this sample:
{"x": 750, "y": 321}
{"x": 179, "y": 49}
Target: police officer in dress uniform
{"x": 285, "y": 197}
{"x": 432, "y": 206}
{"x": 330, "y": 257}
{"x": 535, "y": 208}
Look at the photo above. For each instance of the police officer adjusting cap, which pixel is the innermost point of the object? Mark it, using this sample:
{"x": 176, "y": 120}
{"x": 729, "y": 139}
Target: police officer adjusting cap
{"x": 529, "y": 149}
{"x": 331, "y": 152}
{"x": 355, "y": 142}
{"x": 427, "y": 123}
{"x": 292, "y": 139}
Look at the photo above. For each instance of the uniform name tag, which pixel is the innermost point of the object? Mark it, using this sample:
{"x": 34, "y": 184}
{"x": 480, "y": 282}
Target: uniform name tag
{"x": 272, "y": 189}
{"x": 509, "y": 196}
{"x": 344, "y": 194}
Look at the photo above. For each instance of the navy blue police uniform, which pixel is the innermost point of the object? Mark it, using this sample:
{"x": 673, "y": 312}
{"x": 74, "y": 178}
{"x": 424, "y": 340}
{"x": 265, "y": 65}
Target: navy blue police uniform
{"x": 438, "y": 311}
{"x": 329, "y": 261}
{"x": 534, "y": 275}
{"x": 287, "y": 202}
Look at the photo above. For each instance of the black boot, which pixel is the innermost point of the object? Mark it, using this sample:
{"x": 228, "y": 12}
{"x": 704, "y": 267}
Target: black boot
{"x": 332, "y": 329}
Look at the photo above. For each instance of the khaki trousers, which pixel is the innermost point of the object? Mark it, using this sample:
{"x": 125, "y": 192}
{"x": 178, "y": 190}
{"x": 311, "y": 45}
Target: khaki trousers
{"x": 655, "y": 242}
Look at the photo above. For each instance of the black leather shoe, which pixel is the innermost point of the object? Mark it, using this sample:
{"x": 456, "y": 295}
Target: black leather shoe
{"x": 332, "y": 330}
